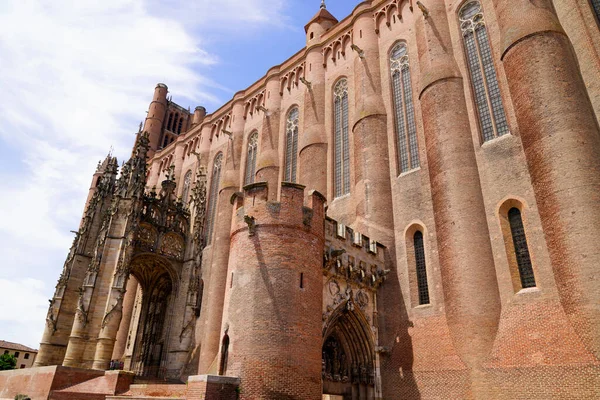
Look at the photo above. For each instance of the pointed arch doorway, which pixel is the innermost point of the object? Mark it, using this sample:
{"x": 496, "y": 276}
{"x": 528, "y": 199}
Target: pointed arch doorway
{"x": 348, "y": 365}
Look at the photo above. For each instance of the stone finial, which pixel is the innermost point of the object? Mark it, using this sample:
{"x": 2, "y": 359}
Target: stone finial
{"x": 323, "y": 6}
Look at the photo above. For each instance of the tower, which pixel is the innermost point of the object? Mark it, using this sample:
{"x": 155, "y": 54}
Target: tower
{"x": 271, "y": 333}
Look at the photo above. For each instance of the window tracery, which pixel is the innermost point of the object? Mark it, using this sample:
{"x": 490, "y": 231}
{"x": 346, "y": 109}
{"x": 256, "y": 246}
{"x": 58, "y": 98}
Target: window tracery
{"x": 251, "y": 158}
{"x": 404, "y": 111}
{"x": 341, "y": 139}
{"x": 422, "y": 284}
{"x": 291, "y": 145}
{"x": 484, "y": 80}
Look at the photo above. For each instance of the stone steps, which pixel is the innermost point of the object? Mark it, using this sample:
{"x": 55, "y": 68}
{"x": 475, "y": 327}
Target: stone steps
{"x": 122, "y": 397}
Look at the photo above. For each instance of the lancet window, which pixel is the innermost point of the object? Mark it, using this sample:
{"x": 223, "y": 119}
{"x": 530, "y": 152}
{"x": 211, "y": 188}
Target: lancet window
{"x": 484, "y": 80}
{"x": 214, "y": 194}
{"x": 291, "y": 145}
{"x": 251, "y": 158}
{"x": 170, "y": 123}
{"x": 404, "y": 110}
{"x": 341, "y": 139}
{"x": 422, "y": 284}
{"x": 519, "y": 239}
{"x": 187, "y": 182}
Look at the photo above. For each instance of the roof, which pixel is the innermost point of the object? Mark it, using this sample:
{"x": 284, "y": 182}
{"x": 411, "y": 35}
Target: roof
{"x": 16, "y": 346}
{"x": 322, "y": 15}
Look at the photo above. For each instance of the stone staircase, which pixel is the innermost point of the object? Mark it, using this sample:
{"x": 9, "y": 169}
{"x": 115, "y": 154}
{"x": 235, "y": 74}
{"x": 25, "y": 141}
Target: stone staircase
{"x": 154, "y": 391}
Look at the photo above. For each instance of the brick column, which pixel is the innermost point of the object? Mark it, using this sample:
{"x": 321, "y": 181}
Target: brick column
{"x": 372, "y": 189}
{"x": 312, "y": 140}
{"x": 470, "y": 286}
{"x": 267, "y": 163}
{"x": 561, "y": 140}
{"x": 214, "y": 291}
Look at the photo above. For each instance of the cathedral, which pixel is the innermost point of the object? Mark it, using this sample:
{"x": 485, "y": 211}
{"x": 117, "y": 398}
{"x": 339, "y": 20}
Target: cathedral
{"x": 407, "y": 208}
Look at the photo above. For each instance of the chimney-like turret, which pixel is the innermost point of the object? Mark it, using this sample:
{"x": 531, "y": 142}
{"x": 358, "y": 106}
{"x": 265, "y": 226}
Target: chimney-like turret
{"x": 156, "y": 116}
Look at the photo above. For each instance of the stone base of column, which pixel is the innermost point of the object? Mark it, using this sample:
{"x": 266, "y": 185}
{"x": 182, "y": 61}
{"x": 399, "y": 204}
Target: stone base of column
{"x": 211, "y": 387}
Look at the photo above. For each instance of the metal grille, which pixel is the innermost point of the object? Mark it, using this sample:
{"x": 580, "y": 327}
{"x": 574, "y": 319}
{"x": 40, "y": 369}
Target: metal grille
{"x": 521, "y": 249}
{"x": 596, "y": 5}
{"x": 483, "y": 72}
{"x": 342, "y": 141}
{"x": 492, "y": 81}
{"x": 421, "y": 268}
{"x": 251, "y": 158}
{"x": 291, "y": 153}
{"x": 214, "y": 192}
{"x": 406, "y": 129}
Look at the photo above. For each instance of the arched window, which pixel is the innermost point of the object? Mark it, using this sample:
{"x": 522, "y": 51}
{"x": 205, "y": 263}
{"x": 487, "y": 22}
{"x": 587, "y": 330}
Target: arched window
{"x": 596, "y": 6}
{"x": 291, "y": 145}
{"x": 187, "y": 182}
{"x": 341, "y": 139}
{"x": 214, "y": 194}
{"x": 170, "y": 123}
{"x": 251, "y": 158}
{"x": 224, "y": 355}
{"x": 484, "y": 80}
{"x": 519, "y": 240}
{"x": 180, "y": 125}
{"x": 175, "y": 118}
{"x": 404, "y": 110}
{"x": 421, "y": 267}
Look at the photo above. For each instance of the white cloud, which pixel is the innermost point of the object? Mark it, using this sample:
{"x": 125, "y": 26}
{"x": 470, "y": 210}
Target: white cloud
{"x": 76, "y": 78}
{"x": 24, "y": 312}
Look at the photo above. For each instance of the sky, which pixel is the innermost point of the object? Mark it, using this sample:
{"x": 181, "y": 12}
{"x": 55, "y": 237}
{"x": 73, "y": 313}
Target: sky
{"x": 76, "y": 78}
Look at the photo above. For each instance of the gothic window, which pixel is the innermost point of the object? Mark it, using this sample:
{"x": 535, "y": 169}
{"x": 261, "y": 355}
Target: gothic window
{"x": 174, "y": 127}
{"x": 214, "y": 194}
{"x": 180, "y": 125}
{"x": 224, "y": 355}
{"x": 423, "y": 287}
{"x": 404, "y": 110}
{"x": 251, "y": 158}
{"x": 596, "y": 6}
{"x": 519, "y": 239}
{"x": 187, "y": 182}
{"x": 488, "y": 100}
{"x": 170, "y": 123}
{"x": 341, "y": 139}
{"x": 291, "y": 145}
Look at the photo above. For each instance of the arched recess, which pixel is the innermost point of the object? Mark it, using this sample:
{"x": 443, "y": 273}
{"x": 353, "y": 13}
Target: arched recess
{"x": 158, "y": 281}
{"x": 348, "y": 367}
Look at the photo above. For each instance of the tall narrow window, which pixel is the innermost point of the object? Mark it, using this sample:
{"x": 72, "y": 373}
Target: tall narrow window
{"x": 596, "y": 6}
{"x": 187, "y": 182}
{"x": 251, "y": 158}
{"x": 422, "y": 285}
{"x": 404, "y": 110}
{"x": 484, "y": 80}
{"x": 341, "y": 139}
{"x": 180, "y": 125}
{"x": 517, "y": 231}
{"x": 170, "y": 123}
{"x": 291, "y": 145}
{"x": 214, "y": 195}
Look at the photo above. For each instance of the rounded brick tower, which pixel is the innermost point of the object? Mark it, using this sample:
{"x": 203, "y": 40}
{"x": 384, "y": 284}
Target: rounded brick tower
{"x": 271, "y": 334}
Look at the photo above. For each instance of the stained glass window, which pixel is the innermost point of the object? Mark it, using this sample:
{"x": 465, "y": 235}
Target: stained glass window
{"x": 422, "y": 285}
{"x": 341, "y": 139}
{"x": 521, "y": 249}
{"x": 251, "y": 158}
{"x": 404, "y": 111}
{"x": 214, "y": 194}
{"x": 291, "y": 145}
{"x": 484, "y": 80}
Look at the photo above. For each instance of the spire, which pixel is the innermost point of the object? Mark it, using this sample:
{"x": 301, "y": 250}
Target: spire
{"x": 323, "y": 6}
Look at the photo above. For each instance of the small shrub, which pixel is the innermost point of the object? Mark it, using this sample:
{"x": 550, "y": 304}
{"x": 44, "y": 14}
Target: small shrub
{"x": 22, "y": 397}
{"x": 7, "y": 362}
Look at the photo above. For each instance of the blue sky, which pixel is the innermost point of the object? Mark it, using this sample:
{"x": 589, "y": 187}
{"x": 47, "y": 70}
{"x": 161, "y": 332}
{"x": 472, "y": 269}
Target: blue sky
{"x": 76, "y": 78}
